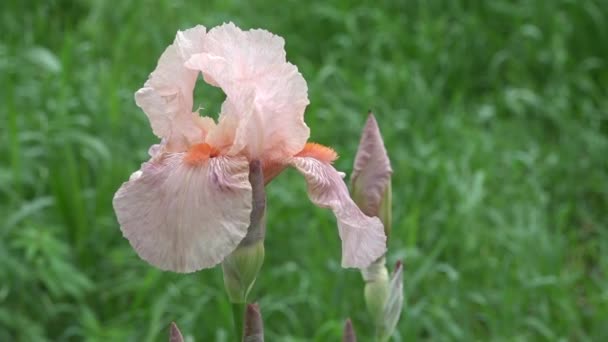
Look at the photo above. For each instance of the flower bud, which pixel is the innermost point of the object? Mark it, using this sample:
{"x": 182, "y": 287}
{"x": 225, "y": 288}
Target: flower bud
{"x": 241, "y": 267}
{"x": 394, "y": 304}
{"x": 371, "y": 177}
{"x": 384, "y": 296}
{"x": 349, "y": 332}
{"x": 371, "y": 188}
{"x": 174, "y": 334}
{"x": 376, "y": 289}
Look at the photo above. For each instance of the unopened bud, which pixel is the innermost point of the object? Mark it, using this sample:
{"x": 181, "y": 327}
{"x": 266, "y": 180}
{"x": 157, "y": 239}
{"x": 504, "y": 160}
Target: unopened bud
{"x": 385, "y": 212}
{"x": 371, "y": 177}
{"x": 393, "y": 306}
{"x": 241, "y": 269}
{"x": 376, "y": 289}
{"x": 394, "y": 303}
{"x": 384, "y": 296}
{"x": 372, "y": 191}
{"x": 349, "y": 332}
{"x": 174, "y": 334}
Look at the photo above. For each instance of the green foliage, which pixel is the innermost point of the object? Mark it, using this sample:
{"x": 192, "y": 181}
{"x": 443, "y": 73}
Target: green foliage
{"x": 495, "y": 115}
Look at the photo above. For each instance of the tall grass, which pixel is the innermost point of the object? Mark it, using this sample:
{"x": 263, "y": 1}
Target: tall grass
{"x": 495, "y": 115}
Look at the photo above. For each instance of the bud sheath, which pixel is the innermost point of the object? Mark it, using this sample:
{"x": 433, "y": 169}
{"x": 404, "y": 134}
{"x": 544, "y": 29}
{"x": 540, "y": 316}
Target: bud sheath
{"x": 371, "y": 178}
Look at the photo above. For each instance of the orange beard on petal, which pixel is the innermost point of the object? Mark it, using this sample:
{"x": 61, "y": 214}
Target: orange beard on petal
{"x": 319, "y": 152}
{"x": 272, "y": 169}
{"x": 200, "y": 153}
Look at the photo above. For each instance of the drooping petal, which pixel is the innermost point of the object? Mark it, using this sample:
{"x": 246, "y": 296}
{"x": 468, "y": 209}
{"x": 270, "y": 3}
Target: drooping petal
{"x": 166, "y": 97}
{"x": 372, "y": 170}
{"x": 363, "y": 239}
{"x": 267, "y": 94}
{"x": 183, "y": 217}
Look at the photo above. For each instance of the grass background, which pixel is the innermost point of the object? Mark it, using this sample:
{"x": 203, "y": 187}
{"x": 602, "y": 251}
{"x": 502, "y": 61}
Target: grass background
{"x": 495, "y": 115}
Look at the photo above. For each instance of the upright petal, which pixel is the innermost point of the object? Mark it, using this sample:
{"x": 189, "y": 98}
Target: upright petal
{"x": 266, "y": 94}
{"x": 281, "y": 99}
{"x": 372, "y": 170}
{"x": 363, "y": 239}
{"x": 183, "y": 217}
{"x": 166, "y": 97}
{"x": 232, "y": 56}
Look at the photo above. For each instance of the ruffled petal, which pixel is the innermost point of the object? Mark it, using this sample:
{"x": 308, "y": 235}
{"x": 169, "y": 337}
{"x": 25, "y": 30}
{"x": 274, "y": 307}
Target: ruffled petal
{"x": 266, "y": 94}
{"x": 363, "y": 238}
{"x": 183, "y": 217}
{"x": 232, "y": 56}
{"x": 281, "y": 99}
{"x": 166, "y": 97}
{"x": 372, "y": 170}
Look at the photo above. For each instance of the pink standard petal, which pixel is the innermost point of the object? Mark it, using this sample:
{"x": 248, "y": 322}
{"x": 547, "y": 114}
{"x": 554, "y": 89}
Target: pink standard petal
{"x": 266, "y": 94}
{"x": 231, "y": 55}
{"x": 166, "y": 97}
{"x": 183, "y": 218}
{"x": 281, "y": 99}
{"x": 372, "y": 170}
{"x": 363, "y": 238}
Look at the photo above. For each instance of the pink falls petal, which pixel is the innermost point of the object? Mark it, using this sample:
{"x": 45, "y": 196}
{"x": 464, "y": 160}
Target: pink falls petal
{"x": 166, "y": 97}
{"x": 183, "y": 218}
{"x": 267, "y": 94}
{"x": 372, "y": 170}
{"x": 363, "y": 238}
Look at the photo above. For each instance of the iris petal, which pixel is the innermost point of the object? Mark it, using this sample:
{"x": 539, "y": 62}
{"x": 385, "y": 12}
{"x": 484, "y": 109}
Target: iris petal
{"x": 265, "y": 94}
{"x": 183, "y": 218}
{"x": 363, "y": 238}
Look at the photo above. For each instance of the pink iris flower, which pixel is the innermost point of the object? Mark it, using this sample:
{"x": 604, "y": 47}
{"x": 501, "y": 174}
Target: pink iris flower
{"x": 189, "y": 206}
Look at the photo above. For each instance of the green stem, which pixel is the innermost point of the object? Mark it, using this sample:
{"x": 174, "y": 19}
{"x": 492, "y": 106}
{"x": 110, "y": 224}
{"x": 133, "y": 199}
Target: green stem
{"x": 379, "y": 333}
{"x": 238, "y": 314}
{"x": 380, "y": 336}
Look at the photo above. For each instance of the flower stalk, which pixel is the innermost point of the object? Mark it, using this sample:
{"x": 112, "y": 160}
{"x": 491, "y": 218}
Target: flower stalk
{"x": 242, "y": 266}
{"x": 254, "y": 325}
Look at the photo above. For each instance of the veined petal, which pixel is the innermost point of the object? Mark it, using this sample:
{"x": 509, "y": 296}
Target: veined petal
{"x": 232, "y": 56}
{"x": 281, "y": 99}
{"x": 183, "y": 217}
{"x": 363, "y": 238}
{"x": 266, "y": 94}
{"x": 372, "y": 170}
{"x": 166, "y": 97}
